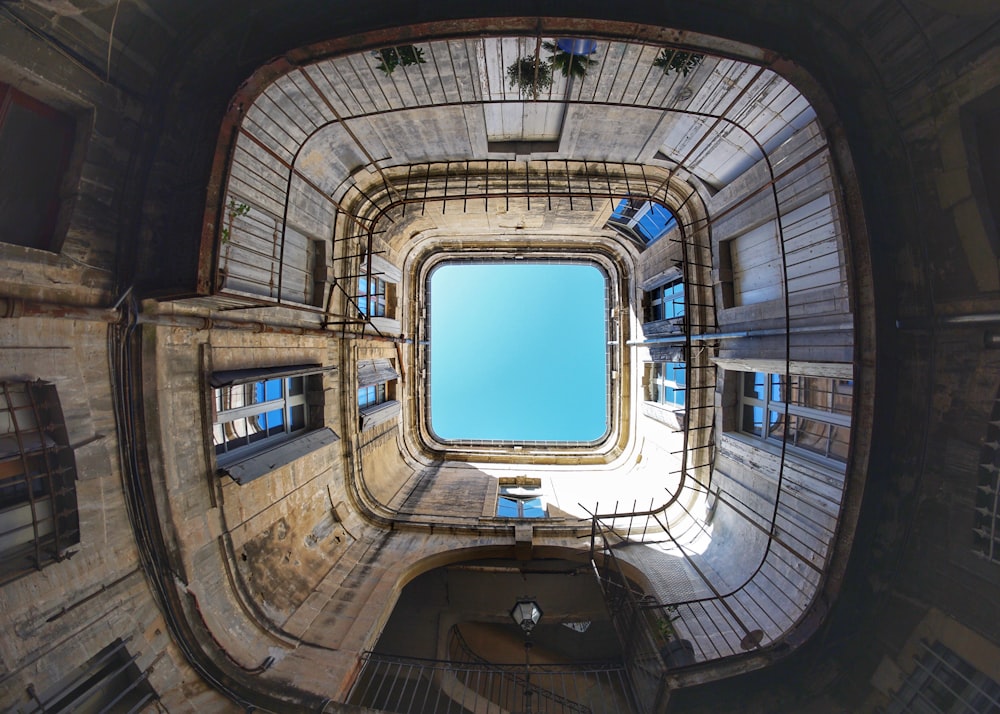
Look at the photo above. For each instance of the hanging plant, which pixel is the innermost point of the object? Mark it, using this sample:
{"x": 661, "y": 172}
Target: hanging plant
{"x": 392, "y": 57}
{"x": 234, "y": 210}
{"x": 671, "y": 60}
{"x": 568, "y": 63}
{"x": 529, "y": 76}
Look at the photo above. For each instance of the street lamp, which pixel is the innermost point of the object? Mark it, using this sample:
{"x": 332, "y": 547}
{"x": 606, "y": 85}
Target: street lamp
{"x": 526, "y": 614}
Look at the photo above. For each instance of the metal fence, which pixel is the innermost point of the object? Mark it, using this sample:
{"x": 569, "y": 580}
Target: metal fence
{"x": 407, "y": 684}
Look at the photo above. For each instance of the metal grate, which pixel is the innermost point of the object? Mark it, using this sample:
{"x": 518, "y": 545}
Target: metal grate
{"x": 38, "y": 515}
{"x": 405, "y": 684}
{"x": 942, "y": 682}
{"x": 986, "y": 532}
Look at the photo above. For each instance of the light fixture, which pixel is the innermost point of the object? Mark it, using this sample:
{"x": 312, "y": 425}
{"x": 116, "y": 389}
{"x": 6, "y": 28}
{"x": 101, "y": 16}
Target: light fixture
{"x": 526, "y": 614}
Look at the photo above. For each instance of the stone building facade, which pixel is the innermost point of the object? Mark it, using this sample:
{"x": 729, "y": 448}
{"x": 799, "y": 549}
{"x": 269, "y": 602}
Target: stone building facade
{"x": 221, "y": 485}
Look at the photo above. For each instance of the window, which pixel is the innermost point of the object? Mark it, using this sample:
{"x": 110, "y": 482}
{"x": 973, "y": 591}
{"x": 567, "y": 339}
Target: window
{"x": 109, "y": 681}
{"x": 371, "y": 297}
{"x": 265, "y": 417}
{"x": 35, "y": 145}
{"x": 520, "y": 502}
{"x": 818, "y": 416}
{"x": 667, "y": 382}
{"x": 376, "y": 392}
{"x": 942, "y": 682}
{"x": 371, "y": 395}
{"x": 247, "y": 414}
{"x": 641, "y": 220}
{"x": 665, "y": 302}
{"x": 38, "y": 510}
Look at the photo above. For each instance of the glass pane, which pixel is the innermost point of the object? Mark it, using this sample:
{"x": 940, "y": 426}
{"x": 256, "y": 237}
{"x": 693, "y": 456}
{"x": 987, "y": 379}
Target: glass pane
{"x": 219, "y": 438}
{"x": 507, "y": 507}
{"x": 298, "y": 418}
{"x": 275, "y": 421}
{"x": 777, "y": 391}
{"x": 296, "y": 386}
{"x": 753, "y": 385}
{"x": 753, "y": 420}
{"x": 272, "y": 389}
{"x": 533, "y": 508}
{"x": 843, "y": 394}
{"x": 776, "y": 424}
{"x": 809, "y": 434}
{"x": 840, "y": 437}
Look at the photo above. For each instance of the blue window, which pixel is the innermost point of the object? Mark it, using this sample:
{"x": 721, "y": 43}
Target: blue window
{"x": 667, "y": 383}
{"x": 666, "y": 302}
{"x": 371, "y": 395}
{"x": 371, "y": 297}
{"x": 250, "y": 413}
{"x": 520, "y": 502}
{"x": 812, "y": 413}
{"x": 642, "y": 220}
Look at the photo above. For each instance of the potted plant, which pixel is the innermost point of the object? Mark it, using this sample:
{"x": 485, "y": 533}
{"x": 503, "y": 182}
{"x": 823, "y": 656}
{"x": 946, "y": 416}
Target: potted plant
{"x": 391, "y": 57}
{"x": 675, "y": 651}
{"x": 571, "y": 57}
{"x": 529, "y": 76}
{"x": 673, "y": 60}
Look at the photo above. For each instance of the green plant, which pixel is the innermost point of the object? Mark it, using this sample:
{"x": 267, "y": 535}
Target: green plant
{"x": 392, "y": 57}
{"x": 529, "y": 76}
{"x": 664, "y": 624}
{"x": 233, "y": 211}
{"x": 567, "y": 62}
{"x": 671, "y": 60}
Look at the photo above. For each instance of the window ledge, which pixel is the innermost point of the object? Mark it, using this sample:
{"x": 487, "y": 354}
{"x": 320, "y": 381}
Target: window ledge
{"x": 253, "y": 467}
{"x": 793, "y": 455}
{"x": 669, "y": 416}
{"x": 379, "y": 414}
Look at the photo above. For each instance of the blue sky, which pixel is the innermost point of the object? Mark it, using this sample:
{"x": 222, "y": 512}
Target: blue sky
{"x": 518, "y": 352}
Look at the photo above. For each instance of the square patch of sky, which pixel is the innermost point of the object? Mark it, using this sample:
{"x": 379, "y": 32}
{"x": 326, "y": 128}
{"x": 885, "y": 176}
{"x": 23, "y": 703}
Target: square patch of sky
{"x": 518, "y": 352}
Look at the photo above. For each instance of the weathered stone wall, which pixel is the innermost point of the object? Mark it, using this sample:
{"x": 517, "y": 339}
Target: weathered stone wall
{"x": 61, "y": 616}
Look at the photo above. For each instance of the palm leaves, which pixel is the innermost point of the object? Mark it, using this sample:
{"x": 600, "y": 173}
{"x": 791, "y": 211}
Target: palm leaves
{"x": 671, "y": 60}
{"x": 533, "y": 76}
{"x": 530, "y": 76}
{"x": 392, "y": 57}
{"x": 567, "y": 63}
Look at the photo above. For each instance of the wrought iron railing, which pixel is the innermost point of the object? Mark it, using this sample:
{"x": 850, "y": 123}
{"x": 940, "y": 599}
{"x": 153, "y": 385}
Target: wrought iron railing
{"x": 407, "y": 684}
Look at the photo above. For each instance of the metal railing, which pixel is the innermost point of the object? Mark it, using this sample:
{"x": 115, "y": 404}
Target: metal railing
{"x": 407, "y": 684}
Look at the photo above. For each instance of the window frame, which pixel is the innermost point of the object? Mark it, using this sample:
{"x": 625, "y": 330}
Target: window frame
{"x": 659, "y": 383}
{"x": 65, "y": 126}
{"x": 770, "y": 402}
{"x": 631, "y": 217}
{"x": 292, "y": 440}
{"x": 376, "y": 391}
{"x": 374, "y": 394}
{"x": 109, "y": 681}
{"x": 37, "y": 480}
{"x": 371, "y": 297}
{"x": 529, "y": 494}
{"x": 656, "y": 299}
{"x": 940, "y": 679}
